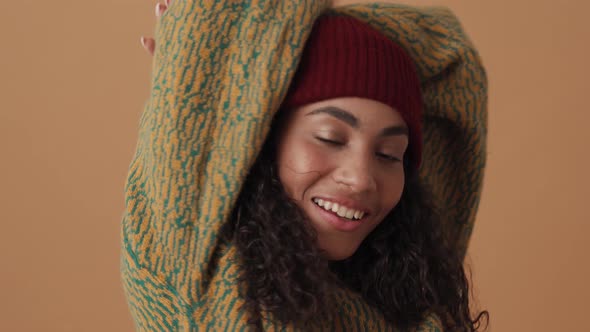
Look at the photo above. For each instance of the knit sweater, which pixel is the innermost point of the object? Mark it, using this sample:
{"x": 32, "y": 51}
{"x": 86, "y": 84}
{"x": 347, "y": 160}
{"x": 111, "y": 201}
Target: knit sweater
{"x": 220, "y": 72}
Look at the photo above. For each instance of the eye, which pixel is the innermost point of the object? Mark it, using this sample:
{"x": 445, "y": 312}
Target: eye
{"x": 329, "y": 141}
{"x": 388, "y": 158}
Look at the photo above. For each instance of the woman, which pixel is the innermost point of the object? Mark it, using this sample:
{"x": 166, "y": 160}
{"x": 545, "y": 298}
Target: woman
{"x": 254, "y": 205}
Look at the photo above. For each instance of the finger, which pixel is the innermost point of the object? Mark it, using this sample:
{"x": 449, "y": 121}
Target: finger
{"x": 149, "y": 44}
{"x": 160, "y": 8}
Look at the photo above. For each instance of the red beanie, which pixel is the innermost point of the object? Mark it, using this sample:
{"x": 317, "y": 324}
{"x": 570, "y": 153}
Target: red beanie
{"x": 345, "y": 57}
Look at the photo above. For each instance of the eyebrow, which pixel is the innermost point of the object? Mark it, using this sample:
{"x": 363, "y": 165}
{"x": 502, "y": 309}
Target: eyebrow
{"x": 352, "y": 121}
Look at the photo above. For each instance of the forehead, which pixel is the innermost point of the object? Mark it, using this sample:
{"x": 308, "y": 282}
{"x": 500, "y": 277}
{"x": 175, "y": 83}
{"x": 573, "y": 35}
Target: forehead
{"x": 368, "y": 112}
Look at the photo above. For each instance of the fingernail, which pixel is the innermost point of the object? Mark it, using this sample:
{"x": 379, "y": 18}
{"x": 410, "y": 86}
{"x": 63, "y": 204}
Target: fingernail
{"x": 142, "y": 39}
{"x": 158, "y": 9}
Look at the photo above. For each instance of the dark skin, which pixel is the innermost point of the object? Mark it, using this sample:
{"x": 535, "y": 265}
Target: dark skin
{"x": 344, "y": 154}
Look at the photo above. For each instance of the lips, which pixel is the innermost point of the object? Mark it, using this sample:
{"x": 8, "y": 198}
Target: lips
{"x": 339, "y": 209}
{"x": 335, "y": 221}
{"x": 350, "y": 214}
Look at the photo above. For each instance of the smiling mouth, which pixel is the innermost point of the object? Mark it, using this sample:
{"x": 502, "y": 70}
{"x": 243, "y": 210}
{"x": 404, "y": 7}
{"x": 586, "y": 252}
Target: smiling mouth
{"x": 343, "y": 212}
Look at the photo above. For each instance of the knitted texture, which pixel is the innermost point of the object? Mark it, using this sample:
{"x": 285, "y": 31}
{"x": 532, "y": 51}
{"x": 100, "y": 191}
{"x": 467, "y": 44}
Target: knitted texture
{"x": 344, "y": 57}
{"x": 221, "y": 70}
{"x": 455, "y": 96}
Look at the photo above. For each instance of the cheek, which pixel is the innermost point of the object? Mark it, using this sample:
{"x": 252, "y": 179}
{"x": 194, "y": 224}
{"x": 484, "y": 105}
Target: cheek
{"x": 391, "y": 194}
{"x": 300, "y": 164}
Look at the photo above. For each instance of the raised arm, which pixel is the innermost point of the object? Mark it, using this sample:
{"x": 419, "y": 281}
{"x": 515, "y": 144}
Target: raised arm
{"x": 220, "y": 71}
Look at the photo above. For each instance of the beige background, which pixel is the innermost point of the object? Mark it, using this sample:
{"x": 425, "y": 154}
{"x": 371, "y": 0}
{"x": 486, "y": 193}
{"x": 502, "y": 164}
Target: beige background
{"x": 73, "y": 80}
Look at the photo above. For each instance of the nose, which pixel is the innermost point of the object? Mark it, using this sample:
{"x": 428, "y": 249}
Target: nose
{"x": 357, "y": 174}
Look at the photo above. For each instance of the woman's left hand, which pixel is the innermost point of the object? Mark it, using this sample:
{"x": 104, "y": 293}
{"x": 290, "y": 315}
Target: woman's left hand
{"x": 149, "y": 44}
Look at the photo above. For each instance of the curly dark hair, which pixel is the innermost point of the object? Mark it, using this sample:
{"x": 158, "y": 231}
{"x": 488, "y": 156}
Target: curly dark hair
{"x": 409, "y": 267}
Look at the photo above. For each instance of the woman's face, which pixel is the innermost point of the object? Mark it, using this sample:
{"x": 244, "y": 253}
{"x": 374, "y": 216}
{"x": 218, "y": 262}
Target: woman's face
{"x": 341, "y": 159}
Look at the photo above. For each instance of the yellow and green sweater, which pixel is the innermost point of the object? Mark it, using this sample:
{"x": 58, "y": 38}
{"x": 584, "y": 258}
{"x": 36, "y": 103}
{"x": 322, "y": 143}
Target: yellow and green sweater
{"x": 220, "y": 72}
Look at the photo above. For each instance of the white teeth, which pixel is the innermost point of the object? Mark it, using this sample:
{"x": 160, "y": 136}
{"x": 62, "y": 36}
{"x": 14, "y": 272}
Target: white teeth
{"x": 341, "y": 211}
{"x": 335, "y": 207}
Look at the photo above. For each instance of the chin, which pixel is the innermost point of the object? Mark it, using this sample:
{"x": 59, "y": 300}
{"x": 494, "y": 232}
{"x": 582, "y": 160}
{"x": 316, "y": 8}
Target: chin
{"x": 339, "y": 254}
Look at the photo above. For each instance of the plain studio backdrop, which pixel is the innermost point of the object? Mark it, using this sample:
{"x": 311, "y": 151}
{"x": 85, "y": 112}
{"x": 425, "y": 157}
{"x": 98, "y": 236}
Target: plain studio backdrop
{"x": 73, "y": 83}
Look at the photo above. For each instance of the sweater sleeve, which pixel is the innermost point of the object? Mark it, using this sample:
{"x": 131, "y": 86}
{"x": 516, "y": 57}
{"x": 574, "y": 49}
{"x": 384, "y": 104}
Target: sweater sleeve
{"x": 220, "y": 71}
{"x": 455, "y": 92}
{"x": 455, "y": 123}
